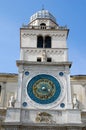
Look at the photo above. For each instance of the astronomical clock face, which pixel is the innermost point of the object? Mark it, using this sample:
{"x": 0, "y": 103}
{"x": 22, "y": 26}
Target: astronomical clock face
{"x": 44, "y": 89}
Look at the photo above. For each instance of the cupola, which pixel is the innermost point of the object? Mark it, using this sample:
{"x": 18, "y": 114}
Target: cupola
{"x": 43, "y": 19}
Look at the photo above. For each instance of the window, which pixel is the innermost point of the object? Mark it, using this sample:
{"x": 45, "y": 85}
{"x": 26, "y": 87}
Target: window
{"x": 43, "y": 42}
{"x": 47, "y": 42}
{"x": 0, "y": 93}
{"x": 48, "y": 59}
{"x": 43, "y": 26}
{"x": 39, "y": 59}
{"x": 39, "y": 42}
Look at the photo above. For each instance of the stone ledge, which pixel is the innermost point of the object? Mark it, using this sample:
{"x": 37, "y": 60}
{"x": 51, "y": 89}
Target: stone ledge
{"x": 43, "y": 124}
{"x": 22, "y": 62}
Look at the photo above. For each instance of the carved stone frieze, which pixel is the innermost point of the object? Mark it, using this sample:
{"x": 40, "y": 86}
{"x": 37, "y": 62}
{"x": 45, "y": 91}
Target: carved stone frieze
{"x": 44, "y": 118}
{"x": 57, "y": 52}
{"x": 37, "y": 51}
{"x": 58, "y": 35}
{"x": 25, "y": 35}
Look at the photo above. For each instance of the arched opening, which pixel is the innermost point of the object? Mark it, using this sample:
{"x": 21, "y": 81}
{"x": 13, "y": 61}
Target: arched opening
{"x": 43, "y": 26}
{"x": 47, "y": 42}
{"x": 39, "y": 42}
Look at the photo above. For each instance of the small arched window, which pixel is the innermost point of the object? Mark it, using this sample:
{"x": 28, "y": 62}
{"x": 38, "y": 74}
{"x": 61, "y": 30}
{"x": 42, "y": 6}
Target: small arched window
{"x": 43, "y": 26}
{"x": 47, "y": 42}
{"x": 39, "y": 42}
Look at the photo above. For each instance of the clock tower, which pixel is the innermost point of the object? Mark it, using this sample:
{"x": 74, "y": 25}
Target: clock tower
{"x": 44, "y": 69}
{"x": 44, "y": 91}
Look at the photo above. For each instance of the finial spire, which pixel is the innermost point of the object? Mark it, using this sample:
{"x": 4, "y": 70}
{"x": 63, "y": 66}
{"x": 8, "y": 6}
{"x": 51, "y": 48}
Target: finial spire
{"x": 42, "y": 7}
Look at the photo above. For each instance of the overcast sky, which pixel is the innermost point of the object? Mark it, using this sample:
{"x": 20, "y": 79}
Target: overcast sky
{"x": 14, "y": 13}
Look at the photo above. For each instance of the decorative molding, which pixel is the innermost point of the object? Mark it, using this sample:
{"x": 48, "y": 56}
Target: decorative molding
{"x": 25, "y": 35}
{"x": 37, "y": 51}
{"x": 44, "y": 117}
{"x": 58, "y": 35}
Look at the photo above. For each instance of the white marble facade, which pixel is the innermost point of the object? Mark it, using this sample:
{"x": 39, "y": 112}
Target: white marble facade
{"x": 43, "y": 51}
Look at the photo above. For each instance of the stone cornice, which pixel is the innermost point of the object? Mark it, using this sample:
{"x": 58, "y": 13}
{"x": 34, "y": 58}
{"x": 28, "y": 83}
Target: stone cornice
{"x": 14, "y": 77}
{"x": 8, "y": 77}
{"x": 78, "y": 77}
{"x": 22, "y": 62}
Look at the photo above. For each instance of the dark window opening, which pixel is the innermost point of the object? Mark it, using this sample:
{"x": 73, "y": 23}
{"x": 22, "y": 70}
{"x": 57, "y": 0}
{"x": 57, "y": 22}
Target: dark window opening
{"x": 39, "y": 42}
{"x": 38, "y": 59}
{"x": 43, "y": 26}
{"x": 0, "y": 89}
{"x": 47, "y": 42}
{"x": 49, "y": 59}
{"x": 43, "y": 42}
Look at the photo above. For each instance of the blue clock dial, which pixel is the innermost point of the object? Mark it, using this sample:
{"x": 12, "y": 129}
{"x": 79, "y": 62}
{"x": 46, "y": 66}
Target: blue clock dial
{"x": 43, "y": 89}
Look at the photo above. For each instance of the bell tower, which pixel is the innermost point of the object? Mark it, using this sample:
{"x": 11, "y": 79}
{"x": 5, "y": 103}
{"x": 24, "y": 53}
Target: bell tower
{"x": 44, "y": 91}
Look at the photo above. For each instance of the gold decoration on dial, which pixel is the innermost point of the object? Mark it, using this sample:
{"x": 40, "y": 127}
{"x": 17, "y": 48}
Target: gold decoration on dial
{"x": 44, "y": 89}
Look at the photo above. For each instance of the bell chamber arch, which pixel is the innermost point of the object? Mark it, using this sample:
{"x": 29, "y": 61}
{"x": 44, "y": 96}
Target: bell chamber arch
{"x": 47, "y": 42}
{"x": 43, "y": 42}
{"x": 40, "y": 41}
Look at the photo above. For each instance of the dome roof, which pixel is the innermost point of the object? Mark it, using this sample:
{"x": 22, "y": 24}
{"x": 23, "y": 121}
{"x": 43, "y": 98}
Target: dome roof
{"x": 42, "y": 14}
